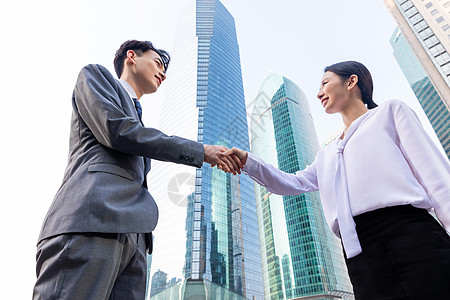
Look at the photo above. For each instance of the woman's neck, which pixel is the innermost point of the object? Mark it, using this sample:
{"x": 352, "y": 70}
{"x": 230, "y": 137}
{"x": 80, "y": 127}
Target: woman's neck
{"x": 351, "y": 113}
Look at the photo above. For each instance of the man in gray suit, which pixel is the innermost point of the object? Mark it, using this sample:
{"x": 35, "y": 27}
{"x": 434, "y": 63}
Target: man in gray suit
{"x": 95, "y": 235}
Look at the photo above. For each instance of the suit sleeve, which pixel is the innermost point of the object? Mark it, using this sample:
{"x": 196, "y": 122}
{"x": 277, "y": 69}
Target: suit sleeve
{"x": 279, "y": 182}
{"x": 430, "y": 167}
{"x": 99, "y": 105}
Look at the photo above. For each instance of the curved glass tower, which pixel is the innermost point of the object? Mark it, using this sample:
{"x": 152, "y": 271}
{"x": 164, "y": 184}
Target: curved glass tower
{"x": 208, "y": 224}
{"x": 422, "y": 50}
{"x": 428, "y": 97}
{"x": 300, "y": 255}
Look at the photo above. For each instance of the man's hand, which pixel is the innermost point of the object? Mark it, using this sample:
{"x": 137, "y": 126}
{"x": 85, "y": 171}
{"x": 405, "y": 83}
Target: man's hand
{"x": 213, "y": 157}
{"x": 238, "y": 156}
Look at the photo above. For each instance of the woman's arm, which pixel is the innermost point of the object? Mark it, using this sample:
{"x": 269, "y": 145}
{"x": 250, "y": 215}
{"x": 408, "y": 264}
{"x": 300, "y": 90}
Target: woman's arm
{"x": 429, "y": 166}
{"x": 273, "y": 179}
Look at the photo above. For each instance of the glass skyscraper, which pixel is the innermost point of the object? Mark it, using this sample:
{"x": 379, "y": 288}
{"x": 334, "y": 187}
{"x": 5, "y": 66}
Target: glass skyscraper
{"x": 207, "y": 234}
{"x": 429, "y": 99}
{"x": 425, "y": 25}
{"x": 301, "y": 257}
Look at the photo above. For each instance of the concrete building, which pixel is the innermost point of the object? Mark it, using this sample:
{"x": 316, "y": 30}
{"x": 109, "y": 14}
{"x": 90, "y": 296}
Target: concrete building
{"x": 428, "y": 97}
{"x": 426, "y": 27}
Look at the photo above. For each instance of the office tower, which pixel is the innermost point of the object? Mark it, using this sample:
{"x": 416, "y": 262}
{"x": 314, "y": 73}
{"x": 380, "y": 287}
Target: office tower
{"x": 207, "y": 234}
{"x": 301, "y": 256}
{"x": 425, "y": 25}
{"x": 147, "y": 282}
{"x": 159, "y": 282}
{"x": 429, "y": 99}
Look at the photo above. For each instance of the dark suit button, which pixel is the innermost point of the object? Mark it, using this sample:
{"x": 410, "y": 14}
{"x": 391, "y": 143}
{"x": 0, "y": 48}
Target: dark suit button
{"x": 191, "y": 159}
{"x": 186, "y": 158}
{"x": 181, "y": 157}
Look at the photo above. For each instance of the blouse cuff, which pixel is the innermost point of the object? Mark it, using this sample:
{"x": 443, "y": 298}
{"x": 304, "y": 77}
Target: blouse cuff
{"x": 251, "y": 164}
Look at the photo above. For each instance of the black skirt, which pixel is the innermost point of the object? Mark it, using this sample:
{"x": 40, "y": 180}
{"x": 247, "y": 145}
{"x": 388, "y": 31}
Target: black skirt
{"x": 405, "y": 255}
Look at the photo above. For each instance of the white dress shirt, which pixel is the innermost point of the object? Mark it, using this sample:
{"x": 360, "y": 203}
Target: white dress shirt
{"x": 390, "y": 160}
{"x": 129, "y": 89}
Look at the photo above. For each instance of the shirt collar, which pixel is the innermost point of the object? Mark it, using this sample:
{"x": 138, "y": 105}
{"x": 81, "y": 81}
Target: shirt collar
{"x": 128, "y": 88}
{"x": 338, "y": 140}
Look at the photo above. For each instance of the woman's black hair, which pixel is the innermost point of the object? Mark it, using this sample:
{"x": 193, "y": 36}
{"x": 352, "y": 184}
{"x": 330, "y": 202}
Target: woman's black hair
{"x": 346, "y": 69}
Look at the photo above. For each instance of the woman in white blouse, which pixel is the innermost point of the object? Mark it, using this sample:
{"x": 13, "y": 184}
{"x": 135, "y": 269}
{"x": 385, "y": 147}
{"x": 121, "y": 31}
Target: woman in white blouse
{"x": 377, "y": 184}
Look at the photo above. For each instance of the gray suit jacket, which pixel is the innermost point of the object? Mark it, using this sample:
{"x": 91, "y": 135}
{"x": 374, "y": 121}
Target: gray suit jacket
{"x": 102, "y": 189}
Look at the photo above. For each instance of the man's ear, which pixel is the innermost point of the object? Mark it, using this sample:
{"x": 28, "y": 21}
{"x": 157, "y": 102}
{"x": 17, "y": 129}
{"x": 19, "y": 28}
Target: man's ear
{"x": 352, "y": 81}
{"x": 131, "y": 57}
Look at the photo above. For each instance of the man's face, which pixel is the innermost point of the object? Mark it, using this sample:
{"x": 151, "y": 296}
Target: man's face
{"x": 149, "y": 72}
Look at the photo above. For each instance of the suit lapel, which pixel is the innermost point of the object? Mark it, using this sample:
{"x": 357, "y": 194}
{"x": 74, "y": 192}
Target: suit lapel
{"x": 128, "y": 104}
{"x": 130, "y": 109}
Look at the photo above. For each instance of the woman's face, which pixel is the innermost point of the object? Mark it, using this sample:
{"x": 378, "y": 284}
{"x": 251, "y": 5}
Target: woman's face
{"x": 334, "y": 93}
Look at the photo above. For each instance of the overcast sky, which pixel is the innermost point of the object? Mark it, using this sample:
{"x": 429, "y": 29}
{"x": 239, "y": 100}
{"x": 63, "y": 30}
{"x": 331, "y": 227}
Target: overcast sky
{"x": 46, "y": 43}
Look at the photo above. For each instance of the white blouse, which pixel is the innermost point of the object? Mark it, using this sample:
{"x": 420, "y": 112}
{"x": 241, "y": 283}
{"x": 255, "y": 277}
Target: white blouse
{"x": 389, "y": 160}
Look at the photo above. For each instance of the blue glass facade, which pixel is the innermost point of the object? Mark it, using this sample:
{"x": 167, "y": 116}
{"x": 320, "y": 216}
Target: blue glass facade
{"x": 197, "y": 289}
{"x": 431, "y": 102}
{"x": 221, "y": 239}
{"x": 301, "y": 257}
{"x": 227, "y": 215}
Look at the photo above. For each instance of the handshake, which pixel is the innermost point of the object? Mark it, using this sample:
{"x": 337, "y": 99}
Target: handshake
{"x": 228, "y": 160}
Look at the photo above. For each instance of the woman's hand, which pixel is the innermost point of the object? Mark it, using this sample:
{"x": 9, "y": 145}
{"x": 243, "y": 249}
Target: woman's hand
{"x": 238, "y": 156}
{"x": 213, "y": 156}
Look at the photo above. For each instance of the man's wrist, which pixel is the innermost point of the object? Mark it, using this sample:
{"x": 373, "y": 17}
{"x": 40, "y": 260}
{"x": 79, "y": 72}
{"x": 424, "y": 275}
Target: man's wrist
{"x": 205, "y": 153}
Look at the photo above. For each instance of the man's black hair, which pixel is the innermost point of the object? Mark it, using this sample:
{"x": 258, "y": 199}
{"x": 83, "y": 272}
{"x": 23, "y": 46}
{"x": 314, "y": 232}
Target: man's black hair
{"x": 139, "y": 47}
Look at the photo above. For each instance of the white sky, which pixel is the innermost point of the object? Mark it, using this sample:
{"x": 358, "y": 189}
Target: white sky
{"x": 45, "y": 44}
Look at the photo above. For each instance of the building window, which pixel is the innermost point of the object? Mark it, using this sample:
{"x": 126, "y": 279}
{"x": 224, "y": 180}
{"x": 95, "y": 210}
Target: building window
{"x": 440, "y": 19}
{"x": 421, "y": 25}
{"x": 440, "y": 48}
{"x": 411, "y": 12}
{"x": 437, "y": 50}
{"x": 434, "y": 12}
{"x": 416, "y": 18}
{"x": 446, "y": 68}
{"x": 431, "y": 42}
{"x": 447, "y": 4}
{"x": 440, "y": 60}
{"x": 425, "y": 33}
{"x": 446, "y": 58}
{"x": 445, "y": 27}
{"x": 406, "y": 5}
{"x": 428, "y": 5}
